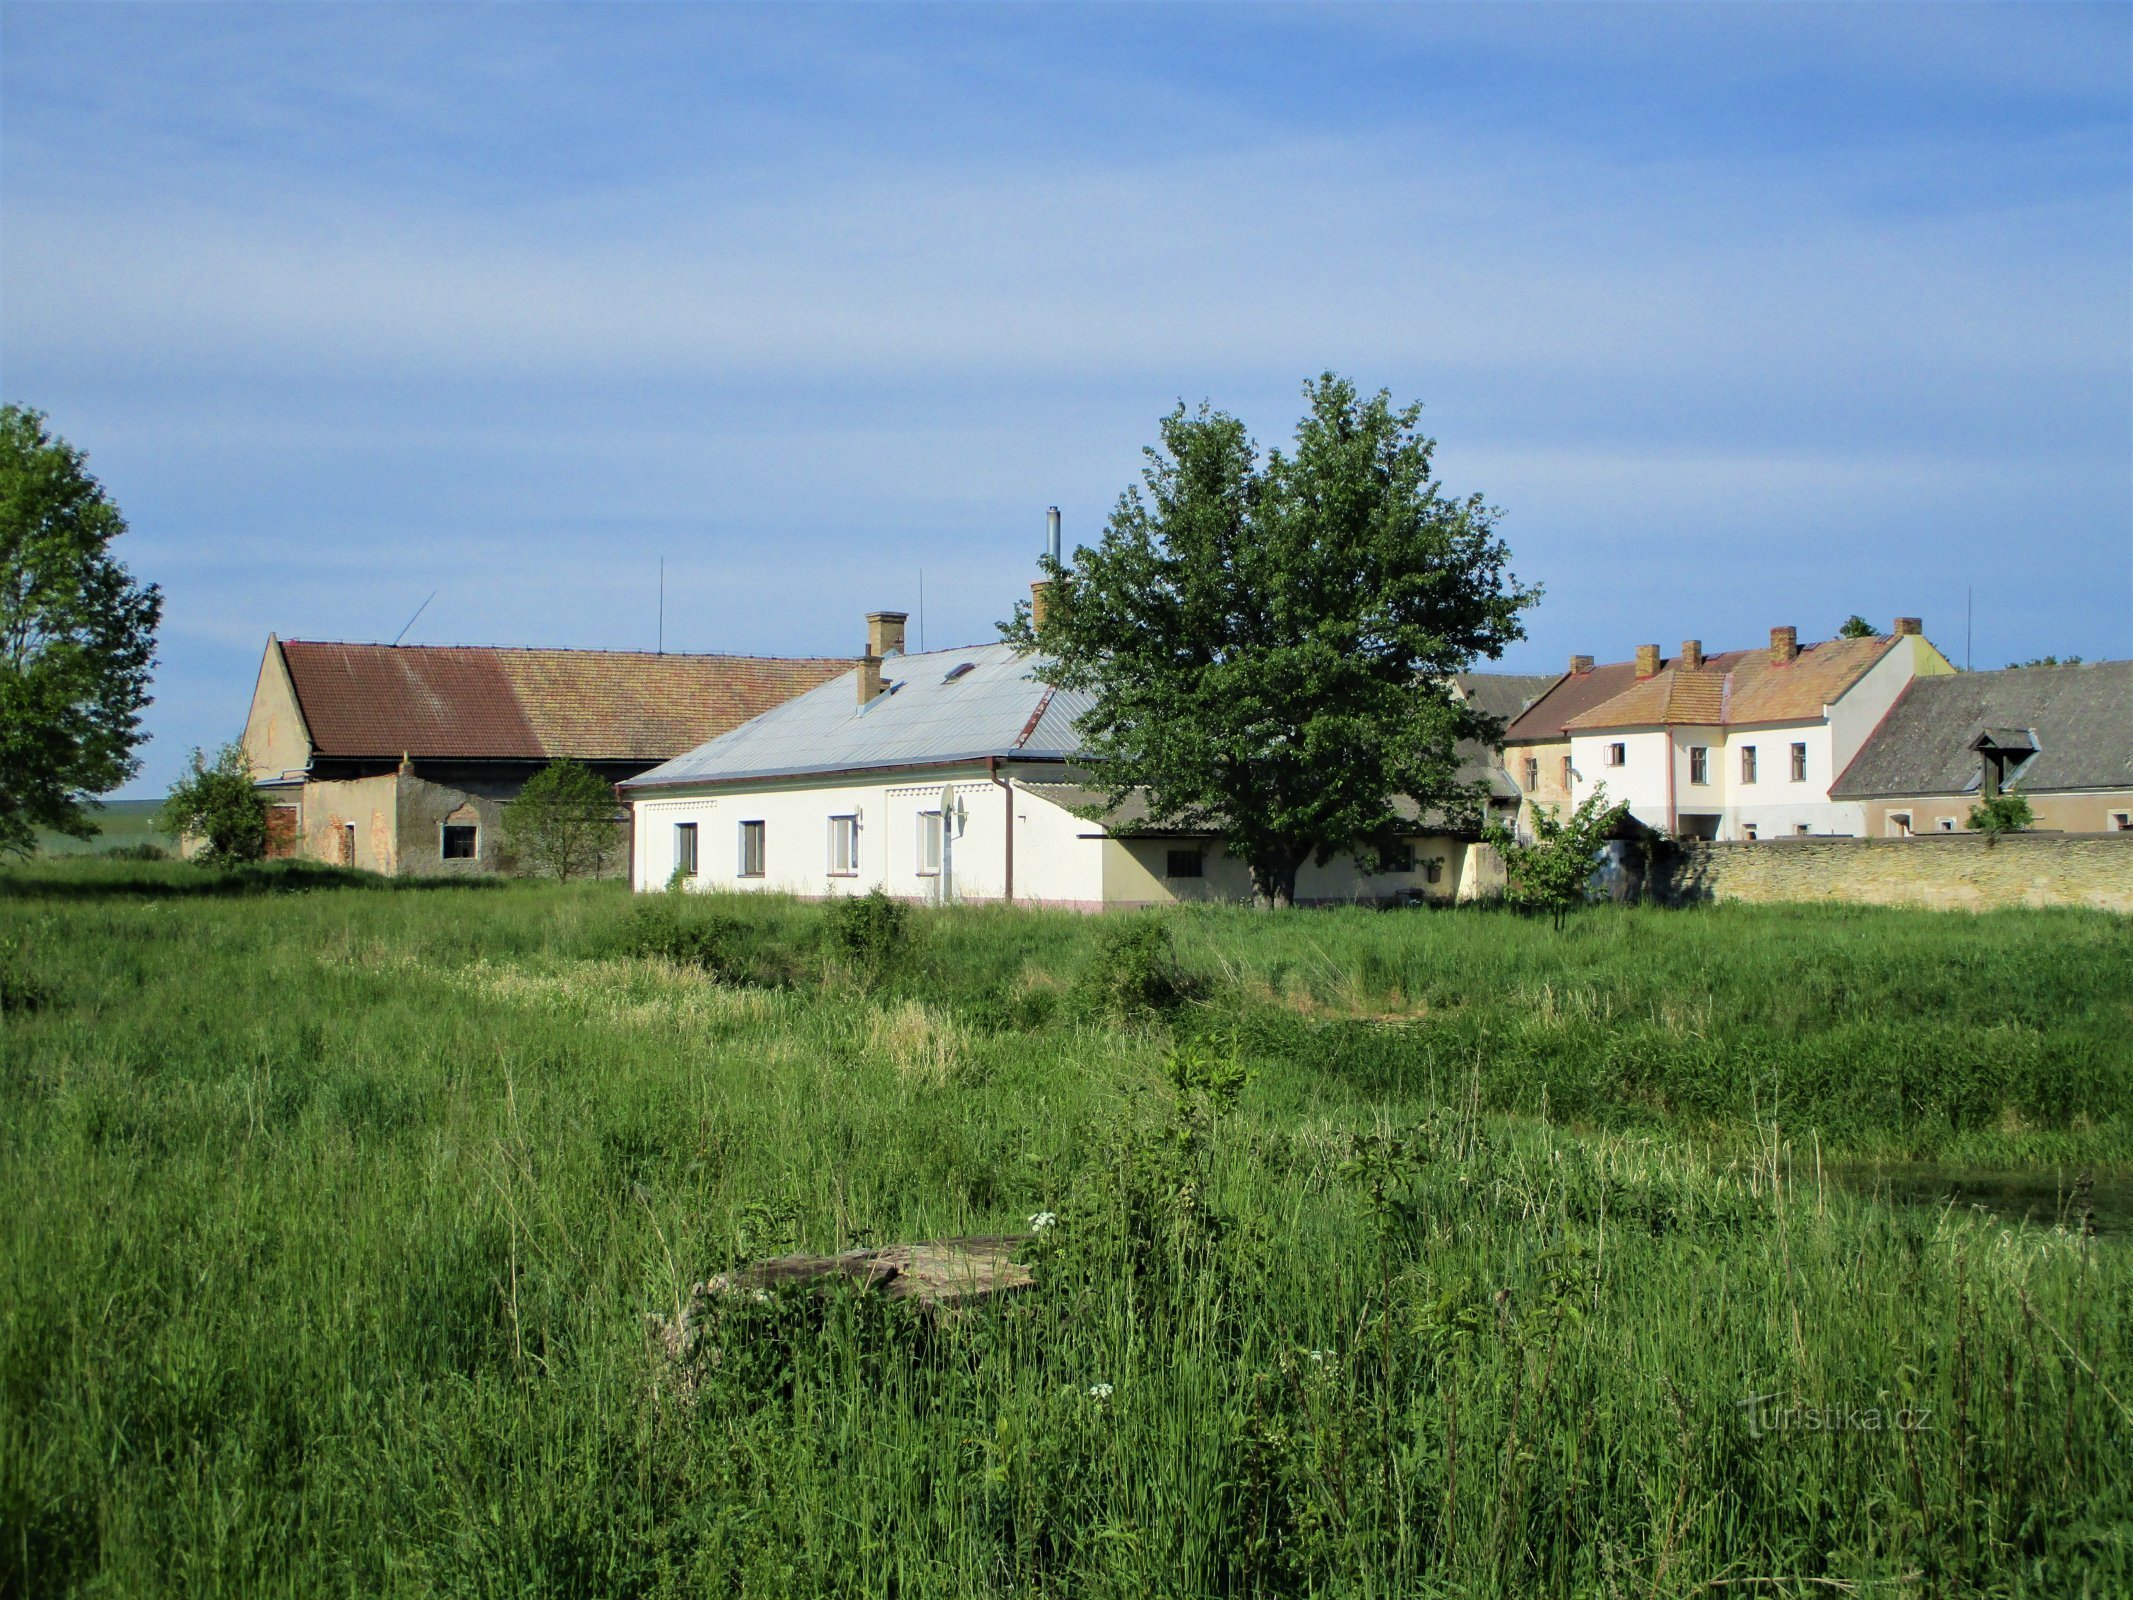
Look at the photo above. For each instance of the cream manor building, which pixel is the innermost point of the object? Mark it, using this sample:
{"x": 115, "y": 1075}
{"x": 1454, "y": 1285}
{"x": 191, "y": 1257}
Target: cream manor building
{"x": 950, "y": 776}
{"x": 1743, "y": 745}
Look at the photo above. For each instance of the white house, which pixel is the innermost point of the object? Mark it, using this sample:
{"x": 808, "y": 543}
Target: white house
{"x": 1744, "y": 745}
{"x": 950, "y": 776}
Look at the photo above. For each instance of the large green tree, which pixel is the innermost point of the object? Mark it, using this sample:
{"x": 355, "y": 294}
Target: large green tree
{"x": 1269, "y": 644}
{"x": 77, "y": 638}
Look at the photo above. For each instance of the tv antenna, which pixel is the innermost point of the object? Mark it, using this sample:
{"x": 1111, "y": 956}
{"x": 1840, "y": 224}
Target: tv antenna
{"x": 402, "y": 634}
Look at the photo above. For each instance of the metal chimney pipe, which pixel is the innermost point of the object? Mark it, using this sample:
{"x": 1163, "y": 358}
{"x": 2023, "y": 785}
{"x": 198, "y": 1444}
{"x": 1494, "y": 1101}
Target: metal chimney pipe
{"x": 1051, "y": 530}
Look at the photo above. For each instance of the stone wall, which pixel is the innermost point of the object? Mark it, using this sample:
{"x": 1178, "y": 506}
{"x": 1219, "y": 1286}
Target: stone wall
{"x": 1962, "y": 872}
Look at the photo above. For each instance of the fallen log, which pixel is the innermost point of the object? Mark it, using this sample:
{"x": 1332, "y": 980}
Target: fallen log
{"x": 939, "y": 1275}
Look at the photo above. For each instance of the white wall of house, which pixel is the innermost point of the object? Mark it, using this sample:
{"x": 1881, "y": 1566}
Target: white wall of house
{"x": 1060, "y": 859}
{"x": 1774, "y": 805}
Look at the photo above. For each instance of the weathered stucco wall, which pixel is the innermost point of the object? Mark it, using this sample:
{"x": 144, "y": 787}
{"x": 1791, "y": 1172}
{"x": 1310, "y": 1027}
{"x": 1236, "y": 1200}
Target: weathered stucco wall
{"x": 1957, "y": 872}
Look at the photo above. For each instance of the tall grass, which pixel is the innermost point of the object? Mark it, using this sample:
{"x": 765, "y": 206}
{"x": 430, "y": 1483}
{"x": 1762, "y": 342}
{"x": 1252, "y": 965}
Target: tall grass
{"x": 334, "y": 1213}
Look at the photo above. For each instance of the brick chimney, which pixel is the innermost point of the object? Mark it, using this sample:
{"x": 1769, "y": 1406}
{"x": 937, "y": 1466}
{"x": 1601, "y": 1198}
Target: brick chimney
{"x": 885, "y": 632}
{"x": 1691, "y": 655}
{"x": 1580, "y": 664}
{"x": 871, "y": 683}
{"x": 1911, "y": 625}
{"x": 1647, "y": 660}
{"x": 1784, "y": 646}
{"x": 1040, "y": 602}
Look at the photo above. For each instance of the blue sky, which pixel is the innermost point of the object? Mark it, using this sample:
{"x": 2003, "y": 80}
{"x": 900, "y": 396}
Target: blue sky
{"x": 1743, "y": 315}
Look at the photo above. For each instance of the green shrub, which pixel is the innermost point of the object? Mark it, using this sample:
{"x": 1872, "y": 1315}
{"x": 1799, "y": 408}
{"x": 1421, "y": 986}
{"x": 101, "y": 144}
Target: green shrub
{"x": 724, "y": 947}
{"x": 871, "y": 933}
{"x": 1134, "y": 971}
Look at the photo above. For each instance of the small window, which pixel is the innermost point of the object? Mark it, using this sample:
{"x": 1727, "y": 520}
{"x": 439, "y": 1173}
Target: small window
{"x": 1400, "y": 858}
{"x": 2122, "y": 822}
{"x": 1185, "y": 864}
{"x": 929, "y": 844}
{"x": 1699, "y": 763}
{"x": 1945, "y": 824}
{"x": 844, "y": 847}
{"x": 751, "y": 850}
{"x": 1750, "y": 830}
{"x": 1566, "y": 774}
{"x": 1533, "y": 773}
{"x": 685, "y": 849}
{"x": 1799, "y": 763}
{"x": 1617, "y": 754}
{"x": 1899, "y": 824}
{"x": 461, "y": 841}
{"x": 1747, "y": 763}
{"x": 1800, "y": 830}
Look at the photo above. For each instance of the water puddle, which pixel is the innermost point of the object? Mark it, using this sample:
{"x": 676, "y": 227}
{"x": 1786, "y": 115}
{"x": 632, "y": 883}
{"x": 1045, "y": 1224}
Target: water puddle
{"x": 2042, "y": 1199}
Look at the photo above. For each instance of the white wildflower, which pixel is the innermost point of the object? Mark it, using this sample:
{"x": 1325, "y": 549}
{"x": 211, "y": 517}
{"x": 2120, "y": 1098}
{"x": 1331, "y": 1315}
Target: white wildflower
{"x": 1099, "y": 1391}
{"x": 1320, "y": 1356}
{"x": 1043, "y": 1220}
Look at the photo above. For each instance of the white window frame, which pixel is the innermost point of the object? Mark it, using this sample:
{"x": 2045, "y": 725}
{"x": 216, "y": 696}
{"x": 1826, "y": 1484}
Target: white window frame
{"x": 2121, "y": 822}
{"x": 1750, "y": 831}
{"x": 929, "y": 843}
{"x": 1945, "y": 824}
{"x": 751, "y": 829}
{"x": 844, "y": 845}
{"x": 1799, "y": 761}
{"x": 688, "y": 852}
{"x": 1748, "y": 763}
{"x": 1618, "y": 755}
{"x": 1700, "y": 765}
{"x": 1899, "y": 825}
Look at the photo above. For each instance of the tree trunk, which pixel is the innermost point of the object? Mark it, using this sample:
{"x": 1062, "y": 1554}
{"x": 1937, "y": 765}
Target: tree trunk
{"x": 1274, "y": 879}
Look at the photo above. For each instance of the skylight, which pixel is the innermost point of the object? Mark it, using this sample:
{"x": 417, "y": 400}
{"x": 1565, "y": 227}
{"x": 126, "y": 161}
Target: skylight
{"x": 958, "y": 670}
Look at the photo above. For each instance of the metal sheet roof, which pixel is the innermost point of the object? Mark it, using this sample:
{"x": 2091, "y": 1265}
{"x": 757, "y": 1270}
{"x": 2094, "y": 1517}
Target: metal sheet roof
{"x": 931, "y": 714}
{"x": 2080, "y": 719}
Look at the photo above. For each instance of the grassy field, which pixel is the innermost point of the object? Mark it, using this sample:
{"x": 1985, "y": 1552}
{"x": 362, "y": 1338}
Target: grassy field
{"x": 1422, "y": 1253}
{"x": 121, "y": 825}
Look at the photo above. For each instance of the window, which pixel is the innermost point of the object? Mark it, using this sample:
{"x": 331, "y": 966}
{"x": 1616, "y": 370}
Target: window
{"x": 1400, "y": 858}
{"x": 1800, "y": 830}
{"x": 1699, "y": 763}
{"x": 844, "y": 847}
{"x": 1566, "y": 774}
{"x": 1945, "y": 824}
{"x": 1617, "y": 754}
{"x": 2122, "y": 822}
{"x": 1185, "y": 864}
{"x": 685, "y": 849}
{"x": 460, "y": 841}
{"x": 751, "y": 850}
{"x": 1533, "y": 773}
{"x": 1899, "y": 825}
{"x": 1799, "y": 763}
{"x": 1749, "y": 830}
{"x": 929, "y": 844}
{"x": 1747, "y": 763}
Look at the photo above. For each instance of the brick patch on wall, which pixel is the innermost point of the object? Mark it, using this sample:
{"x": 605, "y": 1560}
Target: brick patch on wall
{"x": 1954, "y": 872}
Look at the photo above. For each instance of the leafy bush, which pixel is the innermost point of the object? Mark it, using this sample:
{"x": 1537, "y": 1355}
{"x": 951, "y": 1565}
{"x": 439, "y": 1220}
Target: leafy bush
{"x": 1134, "y": 972}
{"x": 871, "y": 933}
{"x": 2003, "y": 813}
{"x": 134, "y": 852}
{"x": 215, "y": 802}
{"x": 726, "y": 948}
{"x": 562, "y": 825}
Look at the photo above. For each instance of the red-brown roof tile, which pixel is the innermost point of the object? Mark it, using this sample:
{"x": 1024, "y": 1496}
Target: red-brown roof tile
{"x": 484, "y": 703}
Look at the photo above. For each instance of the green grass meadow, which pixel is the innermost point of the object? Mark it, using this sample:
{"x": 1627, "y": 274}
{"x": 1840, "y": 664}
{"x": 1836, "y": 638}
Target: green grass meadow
{"x": 1402, "y": 1254}
{"x": 128, "y": 825}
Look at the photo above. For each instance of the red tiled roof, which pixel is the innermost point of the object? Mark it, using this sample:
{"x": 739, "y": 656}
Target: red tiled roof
{"x": 1737, "y": 687}
{"x": 476, "y": 702}
{"x": 1573, "y": 694}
